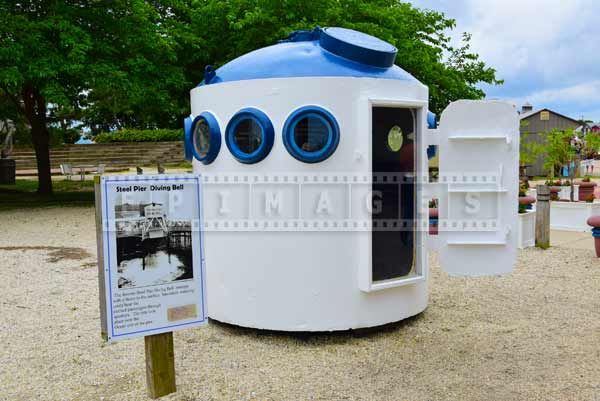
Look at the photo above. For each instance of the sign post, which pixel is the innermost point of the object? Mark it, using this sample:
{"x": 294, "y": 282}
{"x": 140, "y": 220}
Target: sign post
{"x": 151, "y": 265}
{"x": 160, "y": 364}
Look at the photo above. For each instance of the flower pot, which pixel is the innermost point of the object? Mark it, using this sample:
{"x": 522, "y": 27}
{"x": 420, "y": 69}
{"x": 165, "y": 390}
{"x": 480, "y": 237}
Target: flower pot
{"x": 526, "y": 234}
{"x": 433, "y": 221}
{"x": 594, "y": 221}
{"x": 526, "y": 200}
{"x": 565, "y": 192}
{"x": 586, "y": 190}
{"x": 572, "y": 216}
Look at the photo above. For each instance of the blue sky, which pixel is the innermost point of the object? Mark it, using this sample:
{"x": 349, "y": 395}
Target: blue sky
{"x": 547, "y": 52}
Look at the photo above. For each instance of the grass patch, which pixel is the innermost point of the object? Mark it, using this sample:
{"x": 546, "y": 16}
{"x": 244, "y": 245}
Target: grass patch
{"x": 182, "y": 165}
{"x": 66, "y": 193}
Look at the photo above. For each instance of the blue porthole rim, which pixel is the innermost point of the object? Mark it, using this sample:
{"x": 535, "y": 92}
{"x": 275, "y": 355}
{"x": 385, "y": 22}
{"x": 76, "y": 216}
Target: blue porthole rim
{"x": 267, "y": 131}
{"x": 215, "y": 137}
{"x": 332, "y": 141}
{"x": 187, "y": 139}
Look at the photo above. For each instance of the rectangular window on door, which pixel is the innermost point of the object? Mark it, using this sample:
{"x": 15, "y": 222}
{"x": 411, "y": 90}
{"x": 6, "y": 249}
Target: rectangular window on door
{"x": 393, "y": 150}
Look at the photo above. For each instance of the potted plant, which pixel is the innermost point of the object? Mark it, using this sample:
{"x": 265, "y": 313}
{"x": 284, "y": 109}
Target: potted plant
{"x": 554, "y": 189}
{"x": 586, "y": 189}
{"x": 525, "y": 202}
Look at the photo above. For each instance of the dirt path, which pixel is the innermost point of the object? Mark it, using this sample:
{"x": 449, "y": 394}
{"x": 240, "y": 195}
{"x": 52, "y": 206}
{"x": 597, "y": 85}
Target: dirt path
{"x": 533, "y": 334}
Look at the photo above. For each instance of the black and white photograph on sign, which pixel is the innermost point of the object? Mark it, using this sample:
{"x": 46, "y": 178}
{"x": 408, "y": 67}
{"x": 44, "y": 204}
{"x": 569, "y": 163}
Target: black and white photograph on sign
{"x": 151, "y": 247}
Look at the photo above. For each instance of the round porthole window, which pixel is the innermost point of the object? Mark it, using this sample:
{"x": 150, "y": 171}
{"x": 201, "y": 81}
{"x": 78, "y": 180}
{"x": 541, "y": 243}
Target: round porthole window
{"x": 250, "y": 136}
{"x": 311, "y": 134}
{"x": 206, "y": 138}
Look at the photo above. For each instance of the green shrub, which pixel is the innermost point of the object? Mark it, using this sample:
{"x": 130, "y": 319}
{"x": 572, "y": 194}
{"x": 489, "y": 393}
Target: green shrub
{"x": 138, "y": 135}
{"x": 71, "y": 135}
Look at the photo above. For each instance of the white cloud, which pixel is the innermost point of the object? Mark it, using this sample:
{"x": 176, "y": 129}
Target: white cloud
{"x": 546, "y": 40}
{"x": 580, "y": 94}
{"x": 547, "y": 51}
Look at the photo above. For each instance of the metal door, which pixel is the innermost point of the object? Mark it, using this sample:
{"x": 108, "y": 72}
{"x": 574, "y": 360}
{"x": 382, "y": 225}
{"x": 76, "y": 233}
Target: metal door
{"x": 477, "y": 187}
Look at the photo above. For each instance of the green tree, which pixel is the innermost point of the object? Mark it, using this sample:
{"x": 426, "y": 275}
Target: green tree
{"x": 590, "y": 145}
{"x": 529, "y": 151}
{"x": 558, "y": 149}
{"x": 424, "y": 49}
{"x": 131, "y": 63}
{"x": 60, "y": 60}
{"x": 564, "y": 148}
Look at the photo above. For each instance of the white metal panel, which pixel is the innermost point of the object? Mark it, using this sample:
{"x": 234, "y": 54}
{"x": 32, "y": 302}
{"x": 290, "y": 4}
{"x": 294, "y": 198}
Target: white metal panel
{"x": 478, "y": 187}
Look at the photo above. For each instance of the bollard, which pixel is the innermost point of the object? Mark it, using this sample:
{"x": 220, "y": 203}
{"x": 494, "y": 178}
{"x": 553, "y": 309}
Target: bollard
{"x": 542, "y": 217}
{"x": 594, "y": 222}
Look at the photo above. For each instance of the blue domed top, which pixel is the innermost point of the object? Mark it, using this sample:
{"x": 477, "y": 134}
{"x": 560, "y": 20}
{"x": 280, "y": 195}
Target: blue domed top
{"x": 328, "y": 52}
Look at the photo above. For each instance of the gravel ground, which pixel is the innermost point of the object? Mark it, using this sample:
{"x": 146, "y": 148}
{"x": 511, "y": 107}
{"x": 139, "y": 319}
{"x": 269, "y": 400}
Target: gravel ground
{"x": 533, "y": 334}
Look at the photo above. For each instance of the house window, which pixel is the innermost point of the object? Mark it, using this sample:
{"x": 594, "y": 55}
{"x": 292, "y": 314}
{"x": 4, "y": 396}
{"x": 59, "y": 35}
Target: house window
{"x": 545, "y": 116}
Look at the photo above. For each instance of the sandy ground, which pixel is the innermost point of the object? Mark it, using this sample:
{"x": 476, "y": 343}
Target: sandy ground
{"x": 533, "y": 334}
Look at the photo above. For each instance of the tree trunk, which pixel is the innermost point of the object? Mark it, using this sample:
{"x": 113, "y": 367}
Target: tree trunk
{"x": 35, "y": 109}
{"x": 41, "y": 143}
{"x": 572, "y": 193}
{"x": 573, "y": 173}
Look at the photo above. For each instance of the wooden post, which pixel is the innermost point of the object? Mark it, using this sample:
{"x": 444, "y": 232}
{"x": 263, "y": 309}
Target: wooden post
{"x": 160, "y": 365}
{"x": 542, "y": 217}
{"x": 160, "y": 361}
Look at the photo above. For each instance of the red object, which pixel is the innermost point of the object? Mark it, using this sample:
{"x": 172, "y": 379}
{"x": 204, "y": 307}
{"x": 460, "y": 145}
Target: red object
{"x": 526, "y": 200}
{"x": 594, "y": 221}
{"x": 586, "y": 190}
{"x": 554, "y": 189}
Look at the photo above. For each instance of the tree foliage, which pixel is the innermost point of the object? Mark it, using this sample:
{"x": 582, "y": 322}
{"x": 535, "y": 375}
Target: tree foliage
{"x": 135, "y": 135}
{"x": 565, "y": 148}
{"x": 529, "y": 151}
{"x": 111, "y": 64}
{"x": 421, "y": 37}
{"x": 590, "y": 145}
{"x": 103, "y": 62}
{"x": 559, "y": 150}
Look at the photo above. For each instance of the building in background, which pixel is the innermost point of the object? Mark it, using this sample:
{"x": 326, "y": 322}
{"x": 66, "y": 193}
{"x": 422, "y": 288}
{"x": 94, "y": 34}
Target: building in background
{"x": 589, "y": 126}
{"x": 536, "y": 122}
